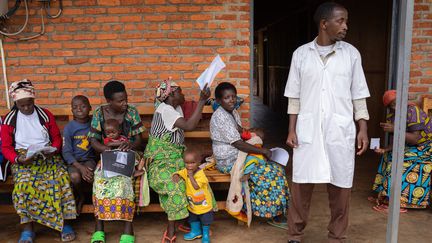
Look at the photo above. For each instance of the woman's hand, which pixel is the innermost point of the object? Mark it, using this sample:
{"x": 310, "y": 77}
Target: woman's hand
{"x": 267, "y": 153}
{"x": 382, "y": 150}
{"x": 205, "y": 94}
{"x": 175, "y": 178}
{"x": 387, "y": 127}
{"x": 25, "y": 161}
{"x": 49, "y": 154}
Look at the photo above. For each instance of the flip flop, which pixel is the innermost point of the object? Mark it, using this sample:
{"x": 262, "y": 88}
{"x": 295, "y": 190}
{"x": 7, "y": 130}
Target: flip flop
{"x": 280, "y": 225}
{"x": 382, "y": 208}
{"x": 26, "y": 236}
{"x": 127, "y": 238}
{"x": 165, "y": 237}
{"x": 183, "y": 228}
{"x": 98, "y": 236}
{"x": 68, "y": 234}
{"x": 372, "y": 199}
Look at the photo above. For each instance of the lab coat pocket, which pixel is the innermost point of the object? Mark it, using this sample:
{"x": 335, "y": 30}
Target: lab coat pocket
{"x": 342, "y": 86}
{"x": 304, "y": 128}
{"x": 341, "y": 132}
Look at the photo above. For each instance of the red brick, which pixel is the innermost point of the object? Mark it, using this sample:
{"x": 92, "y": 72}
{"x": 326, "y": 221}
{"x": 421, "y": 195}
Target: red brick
{"x": 76, "y": 61}
{"x": 102, "y": 77}
{"x": 108, "y": 2}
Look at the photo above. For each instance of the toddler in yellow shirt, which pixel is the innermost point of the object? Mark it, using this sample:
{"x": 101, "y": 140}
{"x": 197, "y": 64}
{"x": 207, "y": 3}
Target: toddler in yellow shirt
{"x": 198, "y": 195}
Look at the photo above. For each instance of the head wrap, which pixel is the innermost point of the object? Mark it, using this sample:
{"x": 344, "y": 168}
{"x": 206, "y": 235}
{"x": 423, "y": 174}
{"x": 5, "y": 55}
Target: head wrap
{"x": 21, "y": 89}
{"x": 388, "y": 97}
{"x": 164, "y": 89}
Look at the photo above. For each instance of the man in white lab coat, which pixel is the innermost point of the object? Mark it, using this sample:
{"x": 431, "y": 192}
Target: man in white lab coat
{"x": 326, "y": 88}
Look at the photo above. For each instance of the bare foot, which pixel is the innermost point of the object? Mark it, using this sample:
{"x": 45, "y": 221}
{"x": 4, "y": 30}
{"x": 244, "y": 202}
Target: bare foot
{"x": 79, "y": 204}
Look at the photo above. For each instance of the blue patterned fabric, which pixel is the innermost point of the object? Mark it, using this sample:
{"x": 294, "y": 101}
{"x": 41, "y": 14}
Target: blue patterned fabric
{"x": 269, "y": 192}
{"x": 416, "y": 178}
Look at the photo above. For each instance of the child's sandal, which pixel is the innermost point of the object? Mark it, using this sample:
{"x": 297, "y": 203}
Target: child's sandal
{"x": 127, "y": 238}
{"x": 98, "y": 236}
{"x": 165, "y": 237}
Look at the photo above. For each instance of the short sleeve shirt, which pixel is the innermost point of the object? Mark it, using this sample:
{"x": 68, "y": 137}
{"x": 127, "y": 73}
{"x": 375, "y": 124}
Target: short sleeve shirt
{"x": 223, "y": 129}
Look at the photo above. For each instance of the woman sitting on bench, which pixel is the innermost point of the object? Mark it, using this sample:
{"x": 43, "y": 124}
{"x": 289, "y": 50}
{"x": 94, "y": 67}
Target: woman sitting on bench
{"x": 165, "y": 147}
{"x": 42, "y": 191}
{"x": 268, "y": 185}
{"x": 113, "y": 197}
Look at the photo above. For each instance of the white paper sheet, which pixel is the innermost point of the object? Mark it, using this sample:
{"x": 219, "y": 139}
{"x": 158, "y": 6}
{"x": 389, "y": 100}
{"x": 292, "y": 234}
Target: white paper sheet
{"x": 280, "y": 156}
{"x": 210, "y": 73}
{"x": 375, "y": 143}
{"x": 36, "y": 149}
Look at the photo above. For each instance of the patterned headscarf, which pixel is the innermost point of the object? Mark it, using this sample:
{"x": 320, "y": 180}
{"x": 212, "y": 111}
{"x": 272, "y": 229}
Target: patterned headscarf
{"x": 163, "y": 90}
{"x": 388, "y": 97}
{"x": 21, "y": 89}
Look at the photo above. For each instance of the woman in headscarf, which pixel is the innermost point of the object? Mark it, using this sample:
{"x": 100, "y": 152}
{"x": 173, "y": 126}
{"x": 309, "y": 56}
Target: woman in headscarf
{"x": 113, "y": 198}
{"x": 42, "y": 191}
{"x": 165, "y": 147}
{"x": 416, "y": 178}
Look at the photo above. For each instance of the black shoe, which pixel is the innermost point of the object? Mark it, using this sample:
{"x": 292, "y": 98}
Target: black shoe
{"x": 293, "y": 241}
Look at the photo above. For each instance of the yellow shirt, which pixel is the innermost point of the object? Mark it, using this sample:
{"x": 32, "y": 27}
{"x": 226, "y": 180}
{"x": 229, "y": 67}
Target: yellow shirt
{"x": 200, "y": 201}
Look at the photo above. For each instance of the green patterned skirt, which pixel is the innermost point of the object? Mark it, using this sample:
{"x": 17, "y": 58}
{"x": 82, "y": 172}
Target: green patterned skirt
{"x": 167, "y": 159}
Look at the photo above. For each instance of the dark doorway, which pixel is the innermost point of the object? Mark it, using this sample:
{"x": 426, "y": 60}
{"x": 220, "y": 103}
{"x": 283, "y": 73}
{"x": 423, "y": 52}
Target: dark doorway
{"x": 280, "y": 27}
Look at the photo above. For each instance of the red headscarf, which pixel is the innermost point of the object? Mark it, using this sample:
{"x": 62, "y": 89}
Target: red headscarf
{"x": 389, "y": 96}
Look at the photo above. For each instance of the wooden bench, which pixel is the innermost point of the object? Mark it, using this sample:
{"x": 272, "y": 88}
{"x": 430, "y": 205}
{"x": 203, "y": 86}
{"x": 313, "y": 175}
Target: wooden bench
{"x": 143, "y": 111}
{"x": 213, "y": 176}
{"x": 427, "y": 105}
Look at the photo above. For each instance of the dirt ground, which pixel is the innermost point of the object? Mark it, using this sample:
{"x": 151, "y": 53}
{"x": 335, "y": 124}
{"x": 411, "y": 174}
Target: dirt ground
{"x": 366, "y": 225}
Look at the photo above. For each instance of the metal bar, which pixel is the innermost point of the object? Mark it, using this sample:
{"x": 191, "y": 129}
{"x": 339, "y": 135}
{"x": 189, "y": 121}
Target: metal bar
{"x": 405, "y": 21}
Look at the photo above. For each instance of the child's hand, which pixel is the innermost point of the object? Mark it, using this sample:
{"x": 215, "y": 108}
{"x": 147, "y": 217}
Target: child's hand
{"x": 138, "y": 172}
{"x": 125, "y": 145}
{"x": 86, "y": 173}
{"x": 175, "y": 178}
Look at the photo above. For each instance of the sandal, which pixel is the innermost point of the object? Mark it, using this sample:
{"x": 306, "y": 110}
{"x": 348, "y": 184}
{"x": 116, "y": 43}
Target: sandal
{"x": 127, "y": 238}
{"x": 67, "y": 234}
{"x": 183, "y": 228}
{"x": 26, "y": 236}
{"x": 165, "y": 237}
{"x": 382, "y": 208}
{"x": 98, "y": 236}
{"x": 280, "y": 225}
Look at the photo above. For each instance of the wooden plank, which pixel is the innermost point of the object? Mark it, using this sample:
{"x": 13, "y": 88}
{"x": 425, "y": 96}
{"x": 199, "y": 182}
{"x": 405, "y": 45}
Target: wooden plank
{"x": 215, "y": 176}
{"x": 142, "y": 110}
{"x": 427, "y": 105}
{"x": 192, "y": 134}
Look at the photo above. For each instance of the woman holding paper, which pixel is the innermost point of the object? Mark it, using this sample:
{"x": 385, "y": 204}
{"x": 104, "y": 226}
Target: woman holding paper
{"x": 165, "y": 147}
{"x": 268, "y": 185}
{"x": 416, "y": 177}
{"x": 113, "y": 197}
{"x": 42, "y": 191}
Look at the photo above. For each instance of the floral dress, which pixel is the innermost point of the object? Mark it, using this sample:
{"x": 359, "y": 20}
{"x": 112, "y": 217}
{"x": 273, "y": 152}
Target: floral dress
{"x": 113, "y": 198}
{"x": 417, "y": 165}
{"x": 269, "y": 192}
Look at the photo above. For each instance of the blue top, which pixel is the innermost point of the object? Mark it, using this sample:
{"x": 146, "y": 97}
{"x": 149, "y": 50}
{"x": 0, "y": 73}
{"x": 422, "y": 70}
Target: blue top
{"x": 76, "y": 147}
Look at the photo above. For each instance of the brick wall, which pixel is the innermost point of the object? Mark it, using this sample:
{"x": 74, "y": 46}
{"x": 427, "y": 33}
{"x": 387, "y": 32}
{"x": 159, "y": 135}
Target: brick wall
{"x": 421, "y": 58}
{"x": 139, "y": 42}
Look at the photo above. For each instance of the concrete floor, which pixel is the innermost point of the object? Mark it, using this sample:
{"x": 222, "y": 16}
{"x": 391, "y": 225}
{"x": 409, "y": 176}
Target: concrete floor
{"x": 366, "y": 225}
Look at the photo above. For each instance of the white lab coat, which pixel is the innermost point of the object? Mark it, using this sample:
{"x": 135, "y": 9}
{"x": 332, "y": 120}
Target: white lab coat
{"x": 325, "y": 127}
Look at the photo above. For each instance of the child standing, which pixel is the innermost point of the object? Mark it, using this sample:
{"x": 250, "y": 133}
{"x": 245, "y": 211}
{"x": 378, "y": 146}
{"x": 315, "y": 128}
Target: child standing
{"x": 198, "y": 195}
{"x": 77, "y": 152}
{"x": 113, "y": 135}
